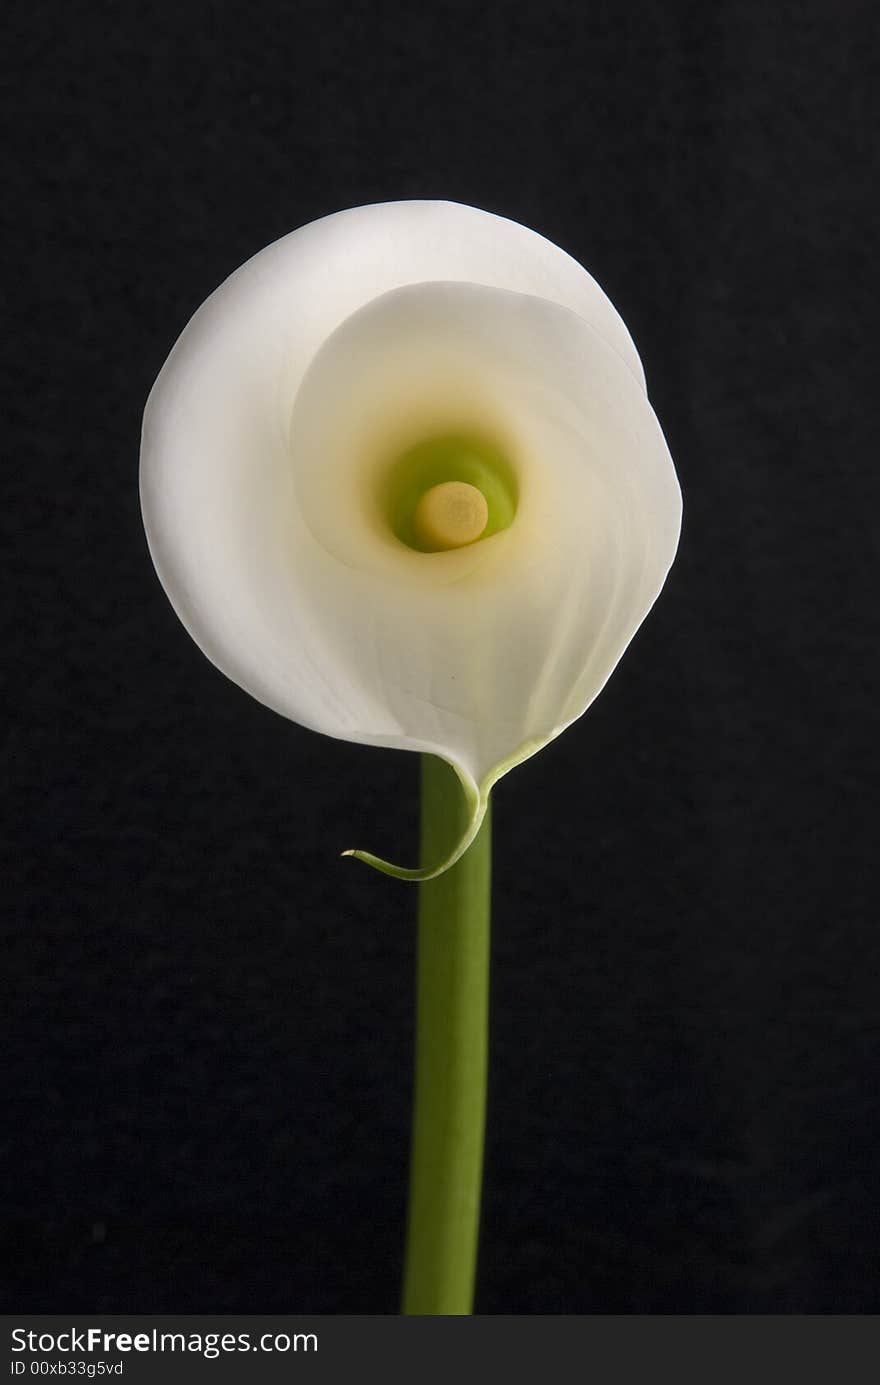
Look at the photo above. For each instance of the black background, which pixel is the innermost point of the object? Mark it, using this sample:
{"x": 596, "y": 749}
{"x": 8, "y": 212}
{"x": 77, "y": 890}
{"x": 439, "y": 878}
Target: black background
{"x": 207, "y": 1048}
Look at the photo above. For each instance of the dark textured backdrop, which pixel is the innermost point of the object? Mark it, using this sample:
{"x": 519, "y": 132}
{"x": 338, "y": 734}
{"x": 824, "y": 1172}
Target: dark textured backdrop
{"x": 207, "y": 1041}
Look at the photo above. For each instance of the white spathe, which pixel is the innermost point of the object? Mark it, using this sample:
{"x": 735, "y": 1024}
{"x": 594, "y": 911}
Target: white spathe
{"x": 303, "y": 376}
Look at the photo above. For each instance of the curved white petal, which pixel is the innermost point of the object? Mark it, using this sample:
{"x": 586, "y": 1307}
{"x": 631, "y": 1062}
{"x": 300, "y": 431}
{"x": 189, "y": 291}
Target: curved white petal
{"x": 264, "y": 439}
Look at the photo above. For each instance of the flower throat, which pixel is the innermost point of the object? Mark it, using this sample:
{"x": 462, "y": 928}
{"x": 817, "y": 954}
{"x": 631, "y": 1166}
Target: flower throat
{"x": 448, "y": 492}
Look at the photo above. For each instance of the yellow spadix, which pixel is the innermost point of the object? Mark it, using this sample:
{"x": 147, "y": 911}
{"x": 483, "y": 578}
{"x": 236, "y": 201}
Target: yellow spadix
{"x": 450, "y": 515}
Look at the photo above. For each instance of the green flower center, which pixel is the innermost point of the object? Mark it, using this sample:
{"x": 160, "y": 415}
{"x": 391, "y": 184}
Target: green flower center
{"x": 447, "y": 492}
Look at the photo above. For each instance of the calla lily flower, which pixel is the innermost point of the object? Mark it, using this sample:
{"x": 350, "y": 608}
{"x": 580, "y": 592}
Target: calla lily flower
{"x": 401, "y": 482}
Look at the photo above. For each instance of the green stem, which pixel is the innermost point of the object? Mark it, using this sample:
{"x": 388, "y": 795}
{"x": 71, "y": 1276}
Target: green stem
{"x": 452, "y": 1008}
